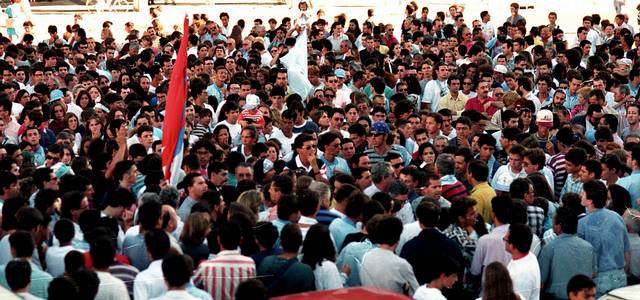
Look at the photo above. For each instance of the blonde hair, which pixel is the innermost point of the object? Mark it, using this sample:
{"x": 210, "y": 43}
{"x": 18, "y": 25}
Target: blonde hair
{"x": 251, "y": 200}
{"x": 195, "y": 228}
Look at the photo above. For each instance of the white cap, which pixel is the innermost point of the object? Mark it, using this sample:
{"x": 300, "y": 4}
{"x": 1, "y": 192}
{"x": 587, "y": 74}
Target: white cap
{"x": 252, "y": 102}
{"x": 500, "y": 69}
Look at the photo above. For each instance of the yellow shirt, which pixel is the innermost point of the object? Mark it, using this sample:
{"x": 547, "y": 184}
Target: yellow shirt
{"x": 483, "y": 193}
{"x": 456, "y": 105}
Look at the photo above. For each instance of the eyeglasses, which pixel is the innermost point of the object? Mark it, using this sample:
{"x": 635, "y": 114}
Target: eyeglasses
{"x": 329, "y": 95}
{"x": 397, "y": 165}
{"x": 332, "y": 81}
{"x": 309, "y": 147}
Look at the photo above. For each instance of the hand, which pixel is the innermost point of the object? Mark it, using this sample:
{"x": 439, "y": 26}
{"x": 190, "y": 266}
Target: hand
{"x": 550, "y": 148}
{"x": 346, "y": 269}
{"x": 127, "y": 218}
{"x": 463, "y": 142}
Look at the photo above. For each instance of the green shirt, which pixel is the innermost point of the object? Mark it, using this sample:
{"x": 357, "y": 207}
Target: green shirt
{"x": 297, "y": 278}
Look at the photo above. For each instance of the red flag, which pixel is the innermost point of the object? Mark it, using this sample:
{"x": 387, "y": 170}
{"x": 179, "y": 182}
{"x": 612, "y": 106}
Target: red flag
{"x": 174, "y": 115}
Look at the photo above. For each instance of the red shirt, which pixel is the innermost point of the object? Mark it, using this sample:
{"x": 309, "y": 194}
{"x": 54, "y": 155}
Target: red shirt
{"x": 476, "y": 104}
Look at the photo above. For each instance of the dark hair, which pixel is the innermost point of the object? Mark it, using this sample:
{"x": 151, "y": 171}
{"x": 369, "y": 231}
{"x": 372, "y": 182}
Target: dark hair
{"x": 578, "y": 283}
{"x": 252, "y": 289}
{"x": 502, "y": 207}
{"x": 229, "y": 234}
{"x": 63, "y": 288}
{"x": 444, "y": 264}
{"x": 576, "y": 156}
{"x": 73, "y": 261}
{"x": 428, "y": 214}
{"x": 387, "y": 231}
{"x": 520, "y": 236}
{"x": 102, "y": 252}
{"x": 266, "y": 234}
{"x": 18, "y": 274}
{"x": 88, "y": 283}
{"x": 620, "y": 199}
{"x": 176, "y": 270}
{"x": 567, "y": 219}
{"x": 290, "y": 238}
{"x": 157, "y": 242}
{"x": 22, "y": 242}
{"x": 519, "y": 187}
{"x": 478, "y": 170}
{"x": 318, "y": 246}
{"x": 596, "y": 192}
{"x": 148, "y": 214}
{"x": 64, "y": 231}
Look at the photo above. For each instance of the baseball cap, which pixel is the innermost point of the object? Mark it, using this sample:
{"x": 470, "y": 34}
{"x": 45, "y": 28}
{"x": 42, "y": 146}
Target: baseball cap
{"x": 379, "y": 127}
{"x": 267, "y": 166}
{"x": 252, "y": 102}
{"x": 500, "y": 69}
{"x": 503, "y": 182}
{"x": 56, "y": 95}
{"x": 340, "y": 73}
{"x": 545, "y": 118}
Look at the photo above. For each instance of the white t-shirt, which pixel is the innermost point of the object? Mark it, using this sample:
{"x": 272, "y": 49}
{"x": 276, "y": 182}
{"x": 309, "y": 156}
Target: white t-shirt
{"x": 427, "y": 293}
{"x": 525, "y": 274}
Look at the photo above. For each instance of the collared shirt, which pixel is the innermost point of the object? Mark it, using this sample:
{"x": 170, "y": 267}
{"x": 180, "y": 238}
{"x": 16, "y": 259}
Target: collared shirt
{"x": 525, "y": 274}
{"x": 433, "y": 91}
{"x": 55, "y": 259}
{"x": 136, "y": 250}
{"x": 150, "y": 282}
{"x": 185, "y": 208}
{"x": 476, "y": 104}
{"x": 384, "y": 269}
{"x": 456, "y": 104}
{"x": 535, "y": 218}
{"x": 557, "y": 166}
{"x": 607, "y": 233}
{"x": 562, "y": 258}
{"x": 571, "y": 101}
{"x": 466, "y": 242}
{"x": 490, "y": 248}
{"x": 452, "y": 188}
{"x": 338, "y": 164}
{"x": 222, "y": 275}
{"x": 339, "y": 229}
{"x": 630, "y": 183}
{"x": 483, "y": 193}
{"x": 571, "y": 185}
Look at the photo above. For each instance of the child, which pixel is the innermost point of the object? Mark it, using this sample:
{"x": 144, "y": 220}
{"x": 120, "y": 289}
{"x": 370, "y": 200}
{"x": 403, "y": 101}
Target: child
{"x": 304, "y": 15}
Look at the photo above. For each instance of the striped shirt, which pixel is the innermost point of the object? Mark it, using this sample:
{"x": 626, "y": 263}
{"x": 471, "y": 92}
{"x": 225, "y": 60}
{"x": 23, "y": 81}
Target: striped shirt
{"x": 222, "y": 275}
{"x": 452, "y": 188}
{"x": 556, "y": 163}
{"x": 126, "y": 273}
{"x": 374, "y": 157}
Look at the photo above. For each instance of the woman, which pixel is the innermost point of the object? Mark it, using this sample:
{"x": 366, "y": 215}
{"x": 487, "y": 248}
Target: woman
{"x": 196, "y": 228}
{"x": 22, "y": 97}
{"x": 497, "y": 283}
{"x": 394, "y": 54}
{"x": 319, "y": 253}
{"x": 351, "y": 112}
{"x": 273, "y": 150}
{"x": 525, "y": 122}
{"x": 252, "y": 200}
{"x": 83, "y": 99}
{"x": 95, "y": 93}
{"x": 57, "y": 123}
{"x": 426, "y": 157}
{"x": 72, "y": 124}
{"x": 67, "y": 155}
{"x": 354, "y": 28}
{"x": 95, "y": 127}
{"x": 322, "y": 119}
{"x": 223, "y": 138}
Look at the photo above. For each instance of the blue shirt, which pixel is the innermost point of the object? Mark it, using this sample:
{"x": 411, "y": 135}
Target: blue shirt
{"x": 563, "y": 258}
{"x": 631, "y": 184}
{"x": 607, "y": 233}
{"x": 571, "y": 185}
{"x": 39, "y": 281}
{"x": 352, "y": 255}
{"x": 134, "y": 248}
{"x": 185, "y": 208}
{"x": 339, "y": 164}
{"x": 340, "y": 228}
{"x": 571, "y": 100}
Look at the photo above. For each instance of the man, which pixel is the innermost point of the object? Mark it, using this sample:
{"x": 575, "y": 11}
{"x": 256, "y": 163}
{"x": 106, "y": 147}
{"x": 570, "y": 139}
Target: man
{"x": 630, "y": 183}
{"x": 581, "y": 287}
{"x": 134, "y": 246}
{"x": 103, "y": 252}
{"x": 436, "y": 88}
{"x": 491, "y": 247}
{"x": 381, "y": 267}
{"x": 451, "y": 187}
{"x": 336, "y": 120}
{"x": 522, "y": 189}
{"x": 306, "y": 149}
{"x": 564, "y": 256}
{"x": 565, "y": 138}
{"x": 222, "y": 275}
{"x": 427, "y": 247}
{"x": 177, "y": 271}
{"x": 573, "y": 161}
{"x": 343, "y": 226}
{"x": 380, "y": 150}
{"x": 381, "y": 176}
{"x": 149, "y": 283}
{"x": 482, "y": 192}
{"x": 523, "y": 266}
{"x": 534, "y": 162}
{"x": 64, "y": 232}
{"x": 19, "y": 279}
{"x": 606, "y": 232}
{"x": 509, "y": 172}
{"x": 633, "y": 118}
{"x": 462, "y": 231}
{"x": 22, "y": 249}
{"x": 285, "y": 135}
{"x": 369, "y": 53}
{"x": 195, "y": 185}
{"x": 483, "y": 102}
{"x": 283, "y": 274}
{"x": 487, "y": 145}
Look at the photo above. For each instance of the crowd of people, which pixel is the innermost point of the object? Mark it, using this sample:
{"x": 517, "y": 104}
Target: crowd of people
{"x": 449, "y": 159}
